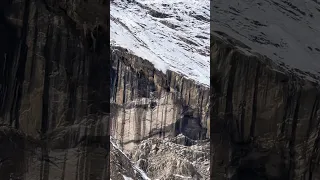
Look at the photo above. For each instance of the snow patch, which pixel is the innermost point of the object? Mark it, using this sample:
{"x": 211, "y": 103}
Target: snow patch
{"x": 126, "y": 178}
{"x": 184, "y": 177}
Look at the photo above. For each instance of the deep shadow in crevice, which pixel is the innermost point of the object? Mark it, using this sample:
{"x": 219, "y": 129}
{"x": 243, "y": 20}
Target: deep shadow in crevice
{"x": 9, "y": 78}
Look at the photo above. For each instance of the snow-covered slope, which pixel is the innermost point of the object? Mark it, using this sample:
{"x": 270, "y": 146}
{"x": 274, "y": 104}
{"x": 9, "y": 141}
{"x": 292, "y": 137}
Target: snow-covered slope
{"x": 173, "y": 35}
{"x": 287, "y": 31}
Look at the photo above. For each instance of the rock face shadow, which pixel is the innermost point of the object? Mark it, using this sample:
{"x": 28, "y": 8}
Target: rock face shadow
{"x": 54, "y": 90}
{"x": 190, "y": 127}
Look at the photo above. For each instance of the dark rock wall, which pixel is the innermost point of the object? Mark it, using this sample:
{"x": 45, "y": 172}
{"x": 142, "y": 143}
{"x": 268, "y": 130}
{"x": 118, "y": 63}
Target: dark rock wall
{"x": 54, "y": 81}
{"x": 265, "y": 119}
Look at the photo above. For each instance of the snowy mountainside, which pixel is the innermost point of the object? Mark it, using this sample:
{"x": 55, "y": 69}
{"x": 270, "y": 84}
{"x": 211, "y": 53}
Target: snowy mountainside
{"x": 173, "y": 35}
{"x": 286, "y": 31}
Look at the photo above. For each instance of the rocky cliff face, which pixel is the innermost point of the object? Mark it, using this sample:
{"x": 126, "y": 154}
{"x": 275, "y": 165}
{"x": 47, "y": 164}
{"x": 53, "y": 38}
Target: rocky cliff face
{"x": 148, "y": 103}
{"x": 54, "y": 89}
{"x": 265, "y": 118}
{"x": 160, "y": 87}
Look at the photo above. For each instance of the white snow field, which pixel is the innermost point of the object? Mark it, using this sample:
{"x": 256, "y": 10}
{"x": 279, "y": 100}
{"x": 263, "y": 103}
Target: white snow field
{"x": 286, "y": 31}
{"x": 173, "y": 35}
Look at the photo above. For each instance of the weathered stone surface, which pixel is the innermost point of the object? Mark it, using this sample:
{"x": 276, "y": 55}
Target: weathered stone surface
{"x": 121, "y": 167}
{"x": 165, "y": 159}
{"x": 54, "y": 89}
{"x": 148, "y": 103}
{"x": 265, "y": 119}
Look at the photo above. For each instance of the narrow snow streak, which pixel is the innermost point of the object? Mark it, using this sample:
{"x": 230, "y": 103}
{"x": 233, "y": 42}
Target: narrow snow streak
{"x": 184, "y": 177}
{"x": 126, "y": 178}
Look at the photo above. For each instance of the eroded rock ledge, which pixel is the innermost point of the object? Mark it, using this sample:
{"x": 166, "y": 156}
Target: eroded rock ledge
{"x": 265, "y": 119}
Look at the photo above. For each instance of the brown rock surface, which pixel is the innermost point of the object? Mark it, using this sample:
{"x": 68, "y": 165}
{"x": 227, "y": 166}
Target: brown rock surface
{"x": 148, "y": 103}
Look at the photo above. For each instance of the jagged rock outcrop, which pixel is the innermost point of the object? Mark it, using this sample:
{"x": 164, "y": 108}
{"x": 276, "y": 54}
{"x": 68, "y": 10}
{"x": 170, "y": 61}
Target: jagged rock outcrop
{"x": 54, "y": 96}
{"x": 265, "y": 118}
{"x": 121, "y": 167}
{"x": 166, "y": 159}
{"x": 149, "y": 103}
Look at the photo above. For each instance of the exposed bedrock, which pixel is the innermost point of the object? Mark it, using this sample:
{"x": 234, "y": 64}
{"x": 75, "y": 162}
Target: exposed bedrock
{"x": 149, "y": 103}
{"x": 54, "y": 96}
{"x": 265, "y": 119}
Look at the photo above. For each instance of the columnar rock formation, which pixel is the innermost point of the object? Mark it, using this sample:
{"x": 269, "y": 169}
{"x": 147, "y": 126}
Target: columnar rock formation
{"x": 265, "y": 118}
{"x": 54, "y": 89}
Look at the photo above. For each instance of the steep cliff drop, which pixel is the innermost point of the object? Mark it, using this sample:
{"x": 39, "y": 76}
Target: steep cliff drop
{"x": 160, "y": 89}
{"x": 265, "y": 90}
{"x": 54, "y": 95}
